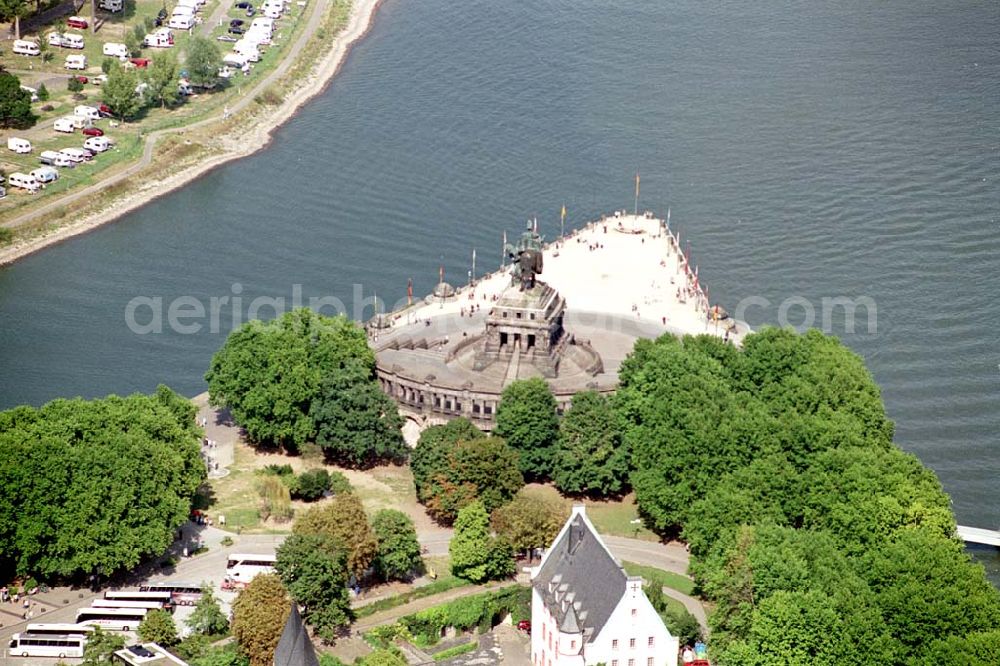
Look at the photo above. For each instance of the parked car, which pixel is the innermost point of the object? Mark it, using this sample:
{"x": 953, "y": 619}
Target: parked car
{"x": 104, "y": 110}
{"x": 244, "y": 5}
{"x": 525, "y": 626}
{"x": 81, "y": 78}
{"x": 93, "y": 131}
{"x": 77, "y": 22}
{"x": 251, "y": 11}
{"x": 161, "y": 17}
{"x": 141, "y": 63}
{"x": 236, "y": 30}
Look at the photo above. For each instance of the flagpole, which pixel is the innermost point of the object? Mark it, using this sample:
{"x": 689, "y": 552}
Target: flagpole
{"x": 636, "y": 213}
{"x": 473, "y": 265}
{"x": 503, "y": 250}
{"x": 562, "y": 222}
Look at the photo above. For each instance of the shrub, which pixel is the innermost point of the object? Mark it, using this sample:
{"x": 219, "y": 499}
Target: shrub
{"x": 311, "y": 485}
{"x": 74, "y": 85}
{"x": 43, "y": 93}
{"x": 275, "y": 499}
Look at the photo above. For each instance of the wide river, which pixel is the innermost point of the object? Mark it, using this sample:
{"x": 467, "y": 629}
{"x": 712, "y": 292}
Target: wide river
{"x": 807, "y": 151}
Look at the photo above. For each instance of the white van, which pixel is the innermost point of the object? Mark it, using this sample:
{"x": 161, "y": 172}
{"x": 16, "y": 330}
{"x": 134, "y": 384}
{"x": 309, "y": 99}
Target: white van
{"x": 54, "y": 158}
{"x": 24, "y": 47}
{"x": 64, "y": 124}
{"x": 54, "y": 39}
{"x": 45, "y": 174}
{"x": 181, "y": 22}
{"x": 115, "y": 50}
{"x": 24, "y": 181}
{"x": 78, "y": 155}
{"x": 161, "y": 38}
{"x": 31, "y": 91}
{"x": 247, "y": 49}
{"x": 96, "y": 144}
{"x": 111, "y": 5}
{"x": 87, "y": 112}
{"x": 76, "y": 62}
{"x": 71, "y": 41}
{"x": 18, "y": 145}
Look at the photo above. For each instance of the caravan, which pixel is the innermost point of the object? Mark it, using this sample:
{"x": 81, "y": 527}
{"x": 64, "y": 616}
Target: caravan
{"x": 64, "y": 124}
{"x": 76, "y": 62}
{"x": 24, "y": 181}
{"x": 87, "y": 112}
{"x": 111, "y": 5}
{"x": 97, "y": 144}
{"x": 247, "y": 49}
{"x": 115, "y": 50}
{"x": 54, "y": 158}
{"x": 45, "y": 174}
{"x": 161, "y": 38}
{"x": 181, "y": 22}
{"x": 18, "y": 145}
{"x": 71, "y": 41}
{"x": 24, "y": 47}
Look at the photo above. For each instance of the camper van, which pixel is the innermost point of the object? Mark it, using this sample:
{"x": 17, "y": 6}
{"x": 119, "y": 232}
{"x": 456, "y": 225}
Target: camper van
{"x": 115, "y": 50}
{"x": 87, "y": 112}
{"x": 181, "y": 22}
{"x": 24, "y": 181}
{"x": 97, "y": 144}
{"x": 78, "y": 155}
{"x": 71, "y": 41}
{"x": 31, "y": 91}
{"x": 64, "y": 124}
{"x": 76, "y": 62}
{"x": 55, "y": 158}
{"x": 24, "y": 47}
{"x": 247, "y": 49}
{"x": 161, "y": 38}
{"x": 111, "y": 5}
{"x": 19, "y": 146}
{"x": 54, "y": 39}
{"x": 45, "y": 174}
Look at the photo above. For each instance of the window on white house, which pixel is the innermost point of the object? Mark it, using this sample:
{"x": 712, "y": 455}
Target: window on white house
{"x": 634, "y": 612}
{"x": 649, "y": 642}
{"x": 614, "y": 662}
{"x": 614, "y": 644}
{"x": 631, "y": 662}
{"x": 649, "y": 661}
{"x": 631, "y": 643}
{"x": 572, "y": 645}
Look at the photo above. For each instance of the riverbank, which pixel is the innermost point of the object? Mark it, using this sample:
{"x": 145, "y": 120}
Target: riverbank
{"x": 231, "y": 138}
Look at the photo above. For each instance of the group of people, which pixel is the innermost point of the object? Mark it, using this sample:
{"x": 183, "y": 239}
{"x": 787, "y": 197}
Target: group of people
{"x": 689, "y": 655}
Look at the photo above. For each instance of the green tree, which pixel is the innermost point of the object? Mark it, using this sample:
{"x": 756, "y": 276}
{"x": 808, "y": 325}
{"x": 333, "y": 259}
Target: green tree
{"x": 484, "y": 468}
{"x": 15, "y": 103}
{"x": 475, "y": 555}
{"x": 590, "y": 458}
{"x": 531, "y": 520}
{"x": 269, "y": 374}
{"x": 313, "y": 567}
{"x": 208, "y": 618}
{"x": 382, "y": 657}
{"x": 161, "y": 77}
{"x": 119, "y": 92}
{"x": 357, "y": 425}
{"x": 101, "y": 645}
{"x": 133, "y": 45}
{"x": 158, "y": 627}
{"x": 74, "y": 85}
{"x": 259, "y": 615}
{"x": 203, "y": 62}
{"x": 430, "y": 456}
{"x": 311, "y": 484}
{"x": 398, "y": 555}
{"x": 975, "y": 649}
{"x": 43, "y": 93}
{"x": 135, "y": 461}
{"x": 342, "y": 518}
{"x": 13, "y": 11}
{"x": 526, "y": 418}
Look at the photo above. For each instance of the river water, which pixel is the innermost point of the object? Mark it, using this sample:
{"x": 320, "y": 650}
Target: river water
{"x": 806, "y": 151}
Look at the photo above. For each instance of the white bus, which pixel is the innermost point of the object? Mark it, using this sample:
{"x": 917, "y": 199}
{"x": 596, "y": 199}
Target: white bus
{"x": 60, "y": 629}
{"x": 162, "y": 597}
{"x": 112, "y": 619}
{"x": 46, "y": 645}
{"x": 128, "y": 603}
{"x": 243, "y": 567}
{"x": 181, "y": 594}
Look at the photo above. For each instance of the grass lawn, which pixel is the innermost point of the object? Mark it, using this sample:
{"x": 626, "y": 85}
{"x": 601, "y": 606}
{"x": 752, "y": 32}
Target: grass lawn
{"x": 674, "y": 581}
{"x": 610, "y": 517}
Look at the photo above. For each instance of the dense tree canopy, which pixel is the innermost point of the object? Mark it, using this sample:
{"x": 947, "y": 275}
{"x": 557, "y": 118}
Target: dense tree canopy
{"x": 450, "y": 472}
{"x": 590, "y": 458}
{"x": 342, "y": 518}
{"x": 259, "y": 615}
{"x": 526, "y": 418}
{"x": 398, "y": 555}
{"x": 208, "y": 618}
{"x": 158, "y": 627}
{"x": 203, "y": 61}
{"x": 270, "y": 374}
{"x": 818, "y": 541}
{"x": 95, "y": 486}
{"x": 531, "y": 520}
{"x": 313, "y": 568}
{"x": 357, "y": 425}
{"x": 475, "y": 555}
{"x": 15, "y": 103}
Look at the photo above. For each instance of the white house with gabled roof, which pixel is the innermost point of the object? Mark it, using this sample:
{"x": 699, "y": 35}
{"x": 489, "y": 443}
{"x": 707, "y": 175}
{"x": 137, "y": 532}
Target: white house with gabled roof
{"x": 585, "y": 610}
